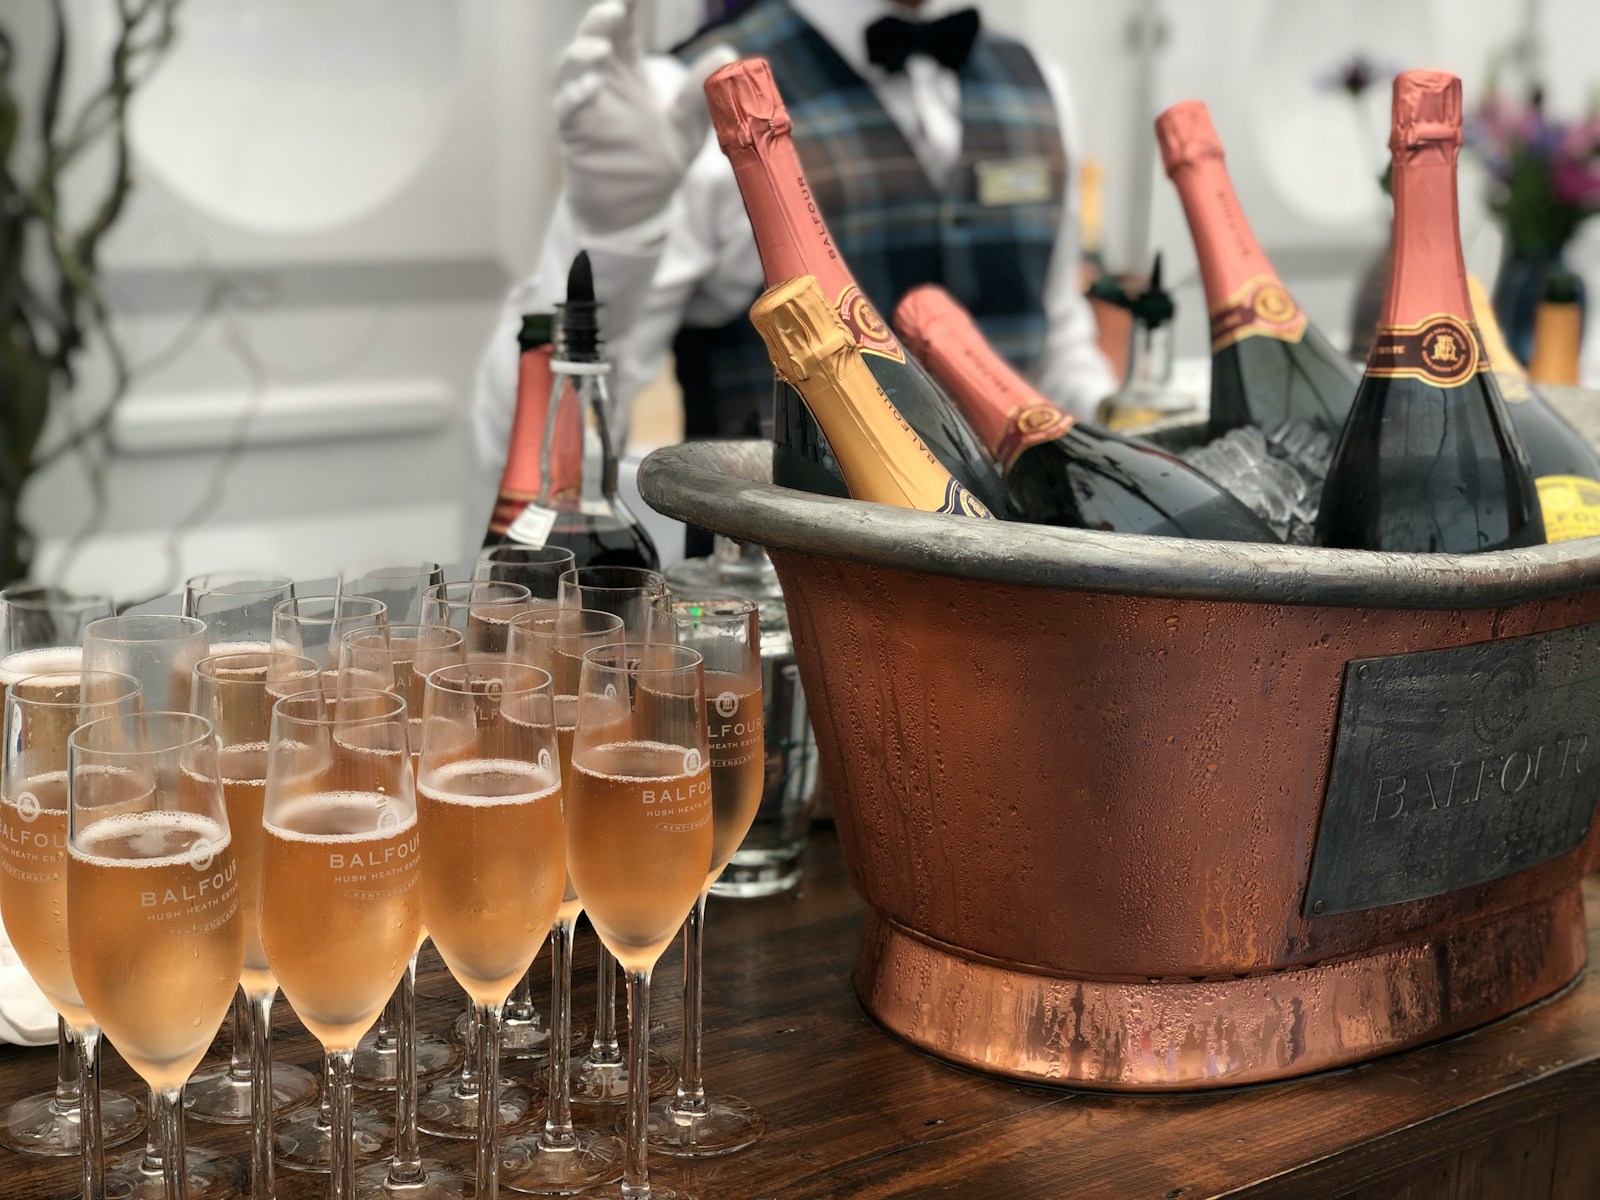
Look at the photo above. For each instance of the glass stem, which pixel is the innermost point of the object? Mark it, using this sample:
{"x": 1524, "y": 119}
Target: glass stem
{"x": 488, "y": 1023}
{"x": 558, "y": 1132}
{"x": 605, "y": 1048}
{"x": 520, "y": 1006}
{"x": 384, "y": 1034}
{"x": 66, "y": 1100}
{"x": 239, "y": 1057}
{"x": 405, "y": 1169}
{"x": 341, "y": 1161}
{"x": 467, "y": 1085}
{"x": 325, "y": 1102}
{"x": 635, "y": 1179}
{"x": 691, "y": 1097}
{"x": 261, "y": 1181}
{"x": 152, "y": 1164}
{"x": 87, "y": 1043}
{"x": 169, "y": 1119}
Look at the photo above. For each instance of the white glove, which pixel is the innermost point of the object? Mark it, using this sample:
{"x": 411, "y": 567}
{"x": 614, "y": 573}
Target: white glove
{"x": 626, "y": 151}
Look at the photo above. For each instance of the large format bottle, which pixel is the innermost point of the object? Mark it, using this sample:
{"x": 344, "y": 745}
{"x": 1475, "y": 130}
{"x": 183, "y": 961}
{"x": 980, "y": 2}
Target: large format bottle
{"x": 881, "y": 456}
{"x": 587, "y": 516}
{"x": 1566, "y": 469}
{"x": 1269, "y": 364}
{"x": 522, "y": 480}
{"x": 1058, "y": 471}
{"x": 1429, "y": 459}
{"x": 753, "y": 130}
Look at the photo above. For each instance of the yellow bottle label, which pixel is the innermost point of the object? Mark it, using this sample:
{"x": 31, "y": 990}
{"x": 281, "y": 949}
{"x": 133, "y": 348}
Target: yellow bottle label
{"x": 1571, "y": 506}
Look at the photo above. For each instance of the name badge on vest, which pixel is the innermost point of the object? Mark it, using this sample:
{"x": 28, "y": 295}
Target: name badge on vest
{"x": 1013, "y": 181}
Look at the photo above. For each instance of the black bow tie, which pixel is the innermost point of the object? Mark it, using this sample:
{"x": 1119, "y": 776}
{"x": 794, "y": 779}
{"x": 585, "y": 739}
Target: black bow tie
{"x": 948, "y": 41}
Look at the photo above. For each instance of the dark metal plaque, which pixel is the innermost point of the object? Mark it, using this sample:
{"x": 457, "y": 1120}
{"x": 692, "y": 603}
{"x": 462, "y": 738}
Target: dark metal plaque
{"x": 1453, "y": 767}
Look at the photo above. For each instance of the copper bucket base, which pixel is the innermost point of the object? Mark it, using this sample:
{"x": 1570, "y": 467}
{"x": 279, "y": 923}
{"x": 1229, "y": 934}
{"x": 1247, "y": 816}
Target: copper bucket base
{"x": 1182, "y": 1035}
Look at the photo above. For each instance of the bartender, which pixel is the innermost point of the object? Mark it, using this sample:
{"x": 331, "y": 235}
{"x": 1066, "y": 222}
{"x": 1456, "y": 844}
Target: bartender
{"x": 939, "y": 150}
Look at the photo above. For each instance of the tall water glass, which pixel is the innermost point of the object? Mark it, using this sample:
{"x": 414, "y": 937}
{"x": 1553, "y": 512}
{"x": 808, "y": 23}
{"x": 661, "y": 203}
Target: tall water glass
{"x": 153, "y": 925}
{"x": 640, "y": 793}
{"x": 481, "y": 610}
{"x": 159, "y": 650}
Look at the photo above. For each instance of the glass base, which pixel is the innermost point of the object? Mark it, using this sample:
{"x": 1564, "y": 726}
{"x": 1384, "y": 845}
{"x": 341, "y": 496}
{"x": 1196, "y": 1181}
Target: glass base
{"x": 301, "y": 1142}
{"x": 527, "y": 1165}
{"x": 607, "y": 1083}
{"x": 35, "y": 1125}
{"x": 445, "y": 1111}
{"x": 210, "y": 1176}
{"x": 752, "y": 880}
{"x": 521, "y": 1039}
{"x": 375, "y": 1067}
{"x": 726, "y": 1125}
{"x": 439, "y": 1182}
{"x": 220, "y": 1099}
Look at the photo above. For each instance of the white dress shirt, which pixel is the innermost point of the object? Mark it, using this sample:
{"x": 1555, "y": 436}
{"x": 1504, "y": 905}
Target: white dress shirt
{"x": 697, "y": 264}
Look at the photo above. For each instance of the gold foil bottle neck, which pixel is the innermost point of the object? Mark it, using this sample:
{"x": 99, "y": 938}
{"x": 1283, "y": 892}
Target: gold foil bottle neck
{"x": 1186, "y": 135}
{"x": 800, "y": 327}
{"x": 1426, "y": 110}
{"x": 744, "y": 102}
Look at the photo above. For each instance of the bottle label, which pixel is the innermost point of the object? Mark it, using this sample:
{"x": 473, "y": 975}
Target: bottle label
{"x": 1571, "y": 506}
{"x": 533, "y": 527}
{"x": 1261, "y": 308}
{"x": 1028, "y": 425}
{"x": 1441, "y": 350}
{"x": 872, "y": 334}
{"x": 958, "y": 502}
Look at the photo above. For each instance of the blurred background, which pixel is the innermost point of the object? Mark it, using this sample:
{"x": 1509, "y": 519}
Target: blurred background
{"x": 326, "y": 202}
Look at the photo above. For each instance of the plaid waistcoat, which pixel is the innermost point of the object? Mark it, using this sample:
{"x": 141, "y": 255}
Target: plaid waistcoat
{"x": 893, "y": 227}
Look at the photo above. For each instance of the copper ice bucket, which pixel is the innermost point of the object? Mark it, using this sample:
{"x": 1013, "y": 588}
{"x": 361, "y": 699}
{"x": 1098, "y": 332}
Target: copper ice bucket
{"x": 1083, "y": 781}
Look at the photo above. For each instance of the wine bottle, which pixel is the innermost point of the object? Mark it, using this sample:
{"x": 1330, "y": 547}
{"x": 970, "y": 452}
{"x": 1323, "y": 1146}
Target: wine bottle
{"x": 584, "y": 513}
{"x": 1057, "y": 470}
{"x": 1429, "y": 459}
{"x": 1269, "y": 364}
{"x": 881, "y": 456}
{"x": 753, "y": 129}
{"x": 520, "y": 482}
{"x": 1566, "y": 470}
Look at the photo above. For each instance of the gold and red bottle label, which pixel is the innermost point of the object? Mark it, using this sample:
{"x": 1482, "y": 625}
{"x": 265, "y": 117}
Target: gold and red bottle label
{"x": 1028, "y": 426}
{"x": 871, "y": 332}
{"x": 1571, "y": 506}
{"x": 1442, "y": 350}
{"x": 1261, "y": 308}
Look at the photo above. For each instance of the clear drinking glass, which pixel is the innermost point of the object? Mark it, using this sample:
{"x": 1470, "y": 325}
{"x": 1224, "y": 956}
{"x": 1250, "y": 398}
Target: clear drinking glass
{"x": 537, "y": 568}
{"x": 237, "y": 609}
{"x": 481, "y": 610}
{"x": 399, "y": 587}
{"x": 726, "y": 632}
{"x": 494, "y": 853}
{"x": 600, "y": 1076}
{"x": 640, "y": 793}
{"x": 41, "y": 711}
{"x": 153, "y": 925}
{"x": 560, "y": 1159}
{"x": 234, "y": 693}
{"x": 158, "y": 650}
{"x": 41, "y": 630}
{"x": 340, "y": 903}
{"x": 314, "y": 626}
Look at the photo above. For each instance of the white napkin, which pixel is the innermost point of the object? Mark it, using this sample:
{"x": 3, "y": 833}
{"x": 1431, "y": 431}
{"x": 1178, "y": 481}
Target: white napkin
{"x": 26, "y": 1018}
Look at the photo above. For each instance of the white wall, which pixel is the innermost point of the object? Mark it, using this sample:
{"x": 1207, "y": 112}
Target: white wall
{"x": 361, "y": 180}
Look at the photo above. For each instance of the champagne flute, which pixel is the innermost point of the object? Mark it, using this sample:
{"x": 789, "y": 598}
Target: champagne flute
{"x": 153, "y": 926}
{"x": 537, "y": 568}
{"x": 398, "y": 658}
{"x": 561, "y": 1160}
{"x": 160, "y": 651}
{"x": 480, "y": 609}
{"x": 313, "y": 626}
{"x": 600, "y": 1076}
{"x": 340, "y": 909}
{"x": 41, "y": 629}
{"x": 41, "y": 711}
{"x": 400, "y": 588}
{"x": 233, "y": 692}
{"x": 726, "y": 632}
{"x": 494, "y": 852}
{"x": 640, "y": 793}
{"x": 237, "y": 609}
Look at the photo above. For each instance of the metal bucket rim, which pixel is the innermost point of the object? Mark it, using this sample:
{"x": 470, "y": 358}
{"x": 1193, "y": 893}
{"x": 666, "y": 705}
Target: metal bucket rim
{"x": 725, "y": 486}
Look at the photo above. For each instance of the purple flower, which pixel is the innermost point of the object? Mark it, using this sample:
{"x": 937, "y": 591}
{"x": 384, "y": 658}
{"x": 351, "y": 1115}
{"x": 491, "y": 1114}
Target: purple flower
{"x": 1355, "y": 75}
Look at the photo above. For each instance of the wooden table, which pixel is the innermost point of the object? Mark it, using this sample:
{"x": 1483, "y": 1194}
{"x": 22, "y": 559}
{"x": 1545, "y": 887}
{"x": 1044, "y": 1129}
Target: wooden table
{"x": 1511, "y": 1111}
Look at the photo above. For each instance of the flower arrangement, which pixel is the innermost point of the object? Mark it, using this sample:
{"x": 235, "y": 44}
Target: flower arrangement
{"x": 1545, "y": 171}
